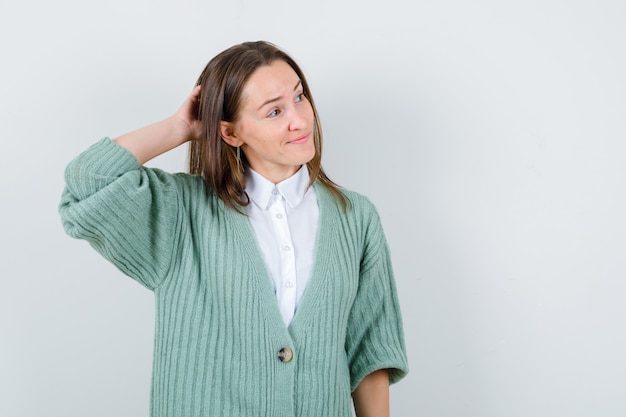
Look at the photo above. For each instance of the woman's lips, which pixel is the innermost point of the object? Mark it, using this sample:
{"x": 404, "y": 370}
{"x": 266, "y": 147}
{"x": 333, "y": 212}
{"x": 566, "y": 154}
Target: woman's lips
{"x": 300, "y": 140}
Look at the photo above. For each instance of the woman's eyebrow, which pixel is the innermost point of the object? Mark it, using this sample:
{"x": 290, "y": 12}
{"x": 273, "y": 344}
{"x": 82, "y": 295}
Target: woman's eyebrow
{"x": 278, "y": 98}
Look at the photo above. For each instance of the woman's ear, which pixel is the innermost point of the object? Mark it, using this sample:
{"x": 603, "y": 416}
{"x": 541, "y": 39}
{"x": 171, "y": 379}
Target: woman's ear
{"x": 227, "y": 132}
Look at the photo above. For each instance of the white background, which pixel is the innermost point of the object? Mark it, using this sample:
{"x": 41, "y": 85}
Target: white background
{"x": 491, "y": 135}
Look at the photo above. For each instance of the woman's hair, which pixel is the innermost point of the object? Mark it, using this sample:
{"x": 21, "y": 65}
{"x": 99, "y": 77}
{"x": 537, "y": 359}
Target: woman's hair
{"x": 223, "y": 81}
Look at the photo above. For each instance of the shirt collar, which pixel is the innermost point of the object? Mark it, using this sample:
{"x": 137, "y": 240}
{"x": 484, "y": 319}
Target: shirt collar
{"x": 262, "y": 191}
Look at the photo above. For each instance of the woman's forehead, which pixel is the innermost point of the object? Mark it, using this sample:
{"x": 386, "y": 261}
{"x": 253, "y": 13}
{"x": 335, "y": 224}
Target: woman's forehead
{"x": 270, "y": 82}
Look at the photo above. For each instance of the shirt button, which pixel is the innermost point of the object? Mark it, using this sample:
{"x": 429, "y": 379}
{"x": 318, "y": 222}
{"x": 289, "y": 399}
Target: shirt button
{"x": 289, "y": 284}
{"x": 279, "y": 216}
{"x": 274, "y": 191}
{"x": 286, "y": 248}
{"x": 285, "y": 354}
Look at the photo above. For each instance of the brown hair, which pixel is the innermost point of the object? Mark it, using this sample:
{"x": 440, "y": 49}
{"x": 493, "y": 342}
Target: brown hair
{"x": 222, "y": 81}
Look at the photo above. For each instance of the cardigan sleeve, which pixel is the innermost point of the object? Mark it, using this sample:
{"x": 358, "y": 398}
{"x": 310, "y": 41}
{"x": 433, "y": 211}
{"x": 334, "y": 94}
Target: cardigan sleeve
{"x": 375, "y": 338}
{"x": 128, "y": 213}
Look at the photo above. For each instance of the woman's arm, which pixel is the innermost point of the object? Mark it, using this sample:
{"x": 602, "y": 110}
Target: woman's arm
{"x": 130, "y": 215}
{"x": 371, "y": 396}
{"x": 160, "y": 137}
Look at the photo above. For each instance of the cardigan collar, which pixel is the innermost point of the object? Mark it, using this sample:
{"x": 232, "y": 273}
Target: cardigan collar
{"x": 330, "y": 212}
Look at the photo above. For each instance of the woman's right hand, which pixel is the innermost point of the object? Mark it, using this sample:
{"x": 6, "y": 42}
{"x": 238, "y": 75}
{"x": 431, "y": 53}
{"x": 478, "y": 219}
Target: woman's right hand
{"x": 185, "y": 121}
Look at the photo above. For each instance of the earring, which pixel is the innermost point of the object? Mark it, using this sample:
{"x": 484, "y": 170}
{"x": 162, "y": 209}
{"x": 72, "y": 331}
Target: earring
{"x": 239, "y": 165}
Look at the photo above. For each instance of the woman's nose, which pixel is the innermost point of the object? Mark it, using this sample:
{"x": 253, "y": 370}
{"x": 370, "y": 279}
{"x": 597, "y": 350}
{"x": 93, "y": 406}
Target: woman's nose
{"x": 298, "y": 119}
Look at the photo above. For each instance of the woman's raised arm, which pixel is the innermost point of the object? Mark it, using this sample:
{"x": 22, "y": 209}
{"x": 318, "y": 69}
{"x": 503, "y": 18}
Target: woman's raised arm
{"x": 153, "y": 140}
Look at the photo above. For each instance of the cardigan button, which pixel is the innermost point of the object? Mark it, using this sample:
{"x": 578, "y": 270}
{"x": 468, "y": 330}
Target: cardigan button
{"x": 285, "y": 354}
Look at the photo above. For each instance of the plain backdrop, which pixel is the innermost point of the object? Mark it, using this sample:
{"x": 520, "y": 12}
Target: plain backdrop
{"x": 491, "y": 135}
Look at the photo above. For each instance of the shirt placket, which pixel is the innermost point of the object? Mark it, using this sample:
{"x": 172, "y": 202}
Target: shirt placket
{"x": 287, "y": 285}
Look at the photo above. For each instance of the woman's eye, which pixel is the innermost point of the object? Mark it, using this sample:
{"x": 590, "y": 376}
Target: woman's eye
{"x": 299, "y": 97}
{"x": 273, "y": 113}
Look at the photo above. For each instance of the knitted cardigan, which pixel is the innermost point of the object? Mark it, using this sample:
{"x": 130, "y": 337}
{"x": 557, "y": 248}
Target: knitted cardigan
{"x": 218, "y": 328}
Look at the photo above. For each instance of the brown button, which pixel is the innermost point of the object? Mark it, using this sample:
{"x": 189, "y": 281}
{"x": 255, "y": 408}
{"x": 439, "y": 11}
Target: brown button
{"x": 285, "y": 354}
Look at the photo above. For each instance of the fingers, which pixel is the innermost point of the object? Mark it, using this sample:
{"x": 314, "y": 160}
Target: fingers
{"x": 195, "y": 94}
{"x": 195, "y": 125}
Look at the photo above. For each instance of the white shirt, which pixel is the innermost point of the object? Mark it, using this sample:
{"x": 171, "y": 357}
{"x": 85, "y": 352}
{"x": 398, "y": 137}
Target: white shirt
{"x": 285, "y": 219}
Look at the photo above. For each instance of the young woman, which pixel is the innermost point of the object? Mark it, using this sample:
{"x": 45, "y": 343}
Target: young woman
{"x": 274, "y": 290}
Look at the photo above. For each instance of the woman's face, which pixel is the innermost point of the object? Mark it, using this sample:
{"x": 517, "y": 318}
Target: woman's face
{"x": 275, "y": 123}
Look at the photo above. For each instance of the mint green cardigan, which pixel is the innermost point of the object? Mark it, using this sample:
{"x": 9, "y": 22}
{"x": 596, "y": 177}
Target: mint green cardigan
{"x": 218, "y": 329}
